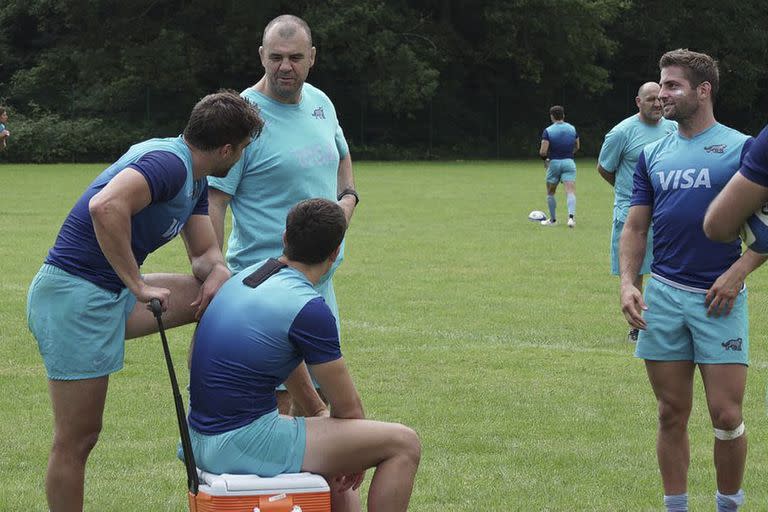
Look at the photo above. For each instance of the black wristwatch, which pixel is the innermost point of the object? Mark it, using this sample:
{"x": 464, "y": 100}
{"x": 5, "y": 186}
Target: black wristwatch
{"x": 349, "y": 192}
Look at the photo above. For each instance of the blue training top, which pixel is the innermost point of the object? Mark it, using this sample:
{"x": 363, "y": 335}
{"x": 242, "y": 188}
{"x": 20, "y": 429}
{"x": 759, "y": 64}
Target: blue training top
{"x": 678, "y": 178}
{"x": 620, "y": 152}
{"x": 755, "y": 167}
{"x": 166, "y": 164}
{"x": 295, "y": 158}
{"x": 249, "y": 340}
{"x": 562, "y": 140}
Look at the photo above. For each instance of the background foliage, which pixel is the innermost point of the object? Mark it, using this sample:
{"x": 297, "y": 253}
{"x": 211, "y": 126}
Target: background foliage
{"x": 416, "y": 78}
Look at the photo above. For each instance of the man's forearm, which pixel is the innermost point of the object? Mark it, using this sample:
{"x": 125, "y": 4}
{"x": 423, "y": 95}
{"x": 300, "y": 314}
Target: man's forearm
{"x": 211, "y": 260}
{"x": 748, "y": 262}
{"x": 346, "y": 181}
{"x": 631, "y": 254}
{"x": 345, "y": 177}
{"x": 217, "y": 211}
{"x": 352, "y": 411}
{"x": 217, "y": 214}
{"x": 299, "y": 385}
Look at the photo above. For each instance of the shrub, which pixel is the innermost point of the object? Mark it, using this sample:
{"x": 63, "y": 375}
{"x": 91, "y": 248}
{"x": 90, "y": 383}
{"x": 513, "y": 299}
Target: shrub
{"x": 49, "y": 138}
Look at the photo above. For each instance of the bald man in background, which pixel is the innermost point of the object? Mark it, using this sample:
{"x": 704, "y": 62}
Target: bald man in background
{"x": 618, "y": 157}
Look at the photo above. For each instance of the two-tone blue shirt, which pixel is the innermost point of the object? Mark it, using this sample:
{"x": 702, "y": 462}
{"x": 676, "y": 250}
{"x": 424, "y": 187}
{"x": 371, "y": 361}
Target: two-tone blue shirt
{"x": 249, "y": 340}
{"x": 679, "y": 177}
{"x": 755, "y": 166}
{"x": 166, "y": 164}
{"x": 562, "y": 140}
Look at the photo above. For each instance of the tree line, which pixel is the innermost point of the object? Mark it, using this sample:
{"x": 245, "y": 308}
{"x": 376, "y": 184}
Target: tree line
{"x": 83, "y": 79}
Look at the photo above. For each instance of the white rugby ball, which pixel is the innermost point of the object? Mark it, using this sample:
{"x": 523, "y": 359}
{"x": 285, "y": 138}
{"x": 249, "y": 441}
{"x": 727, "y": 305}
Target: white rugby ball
{"x": 755, "y": 231}
{"x": 537, "y": 216}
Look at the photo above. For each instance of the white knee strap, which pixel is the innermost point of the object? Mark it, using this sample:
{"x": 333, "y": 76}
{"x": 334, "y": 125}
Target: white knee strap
{"x": 728, "y": 435}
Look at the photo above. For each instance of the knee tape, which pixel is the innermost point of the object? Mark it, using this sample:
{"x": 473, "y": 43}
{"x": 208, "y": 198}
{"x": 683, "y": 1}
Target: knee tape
{"x": 728, "y": 435}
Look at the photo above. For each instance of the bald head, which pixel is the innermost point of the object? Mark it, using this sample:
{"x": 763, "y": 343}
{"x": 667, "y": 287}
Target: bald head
{"x": 286, "y": 26}
{"x": 648, "y": 87}
{"x": 648, "y": 104}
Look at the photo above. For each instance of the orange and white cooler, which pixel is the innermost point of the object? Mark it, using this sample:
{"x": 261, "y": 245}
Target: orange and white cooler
{"x": 290, "y": 492}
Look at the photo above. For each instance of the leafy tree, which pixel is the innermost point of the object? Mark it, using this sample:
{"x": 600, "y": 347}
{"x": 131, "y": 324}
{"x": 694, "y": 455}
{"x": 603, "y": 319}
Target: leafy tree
{"x": 408, "y": 77}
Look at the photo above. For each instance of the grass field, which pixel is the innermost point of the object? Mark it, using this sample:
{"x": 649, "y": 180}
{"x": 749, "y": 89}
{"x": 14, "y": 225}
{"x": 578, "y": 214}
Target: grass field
{"x": 499, "y": 341}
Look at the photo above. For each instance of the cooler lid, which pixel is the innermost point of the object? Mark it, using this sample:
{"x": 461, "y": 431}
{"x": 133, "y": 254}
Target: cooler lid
{"x": 288, "y": 482}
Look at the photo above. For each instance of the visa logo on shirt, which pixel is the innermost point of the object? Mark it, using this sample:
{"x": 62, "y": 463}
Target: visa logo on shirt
{"x": 684, "y": 178}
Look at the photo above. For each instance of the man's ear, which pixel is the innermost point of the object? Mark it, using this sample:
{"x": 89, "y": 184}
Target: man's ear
{"x": 334, "y": 254}
{"x": 705, "y": 90}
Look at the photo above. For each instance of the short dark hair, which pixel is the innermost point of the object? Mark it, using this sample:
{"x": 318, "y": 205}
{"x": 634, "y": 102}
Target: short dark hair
{"x": 2, "y": 110}
{"x": 313, "y": 230}
{"x": 292, "y": 22}
{"x": 222, "y": 118}
{"x": 557, "y": 112}
{"x": 697, "y": 67}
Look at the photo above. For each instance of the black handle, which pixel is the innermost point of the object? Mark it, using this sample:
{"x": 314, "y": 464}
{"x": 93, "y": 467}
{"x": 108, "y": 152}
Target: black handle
{"x": 193, "y": 481}
{"x": 156, "y": 307}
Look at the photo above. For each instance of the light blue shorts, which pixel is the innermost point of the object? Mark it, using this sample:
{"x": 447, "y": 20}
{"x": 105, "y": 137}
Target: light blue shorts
{"x": 680, "y": 330}
{"x": 79, "y": 327}
{"x": 561, "y": 170}
{"x": 271, "y": 445}
{"x": 618, "y": 227}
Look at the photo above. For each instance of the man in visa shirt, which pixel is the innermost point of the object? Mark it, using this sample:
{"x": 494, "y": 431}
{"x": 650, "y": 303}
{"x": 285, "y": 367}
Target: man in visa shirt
{"x": 89, "y": 295}
{"x": 695, "y": 306}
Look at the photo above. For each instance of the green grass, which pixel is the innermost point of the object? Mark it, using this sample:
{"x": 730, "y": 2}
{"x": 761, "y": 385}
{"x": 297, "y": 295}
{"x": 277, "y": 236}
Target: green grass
{"x": 499, "y": 341}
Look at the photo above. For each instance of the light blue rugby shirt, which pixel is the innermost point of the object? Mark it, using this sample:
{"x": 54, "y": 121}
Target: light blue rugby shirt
{"x": 620, "y": 152}
{"x": 678, "y": 178}
{"x": 562, "y": 140}
{"x": 295, "y": 158}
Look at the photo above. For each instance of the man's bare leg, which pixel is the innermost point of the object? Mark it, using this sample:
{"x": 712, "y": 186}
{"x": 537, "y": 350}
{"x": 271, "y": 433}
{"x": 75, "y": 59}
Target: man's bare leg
{"x": 724, "y": 385}
{"x": 78, "y": 406}
{"x": 340, "y": 447}
{"x": 672, "y": 383}
{"x": 184, "y": 289}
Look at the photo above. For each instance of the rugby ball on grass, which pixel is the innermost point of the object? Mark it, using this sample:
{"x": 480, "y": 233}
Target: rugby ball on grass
{"x": 538, "y": 216}
{"x": 754, "y": 232}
